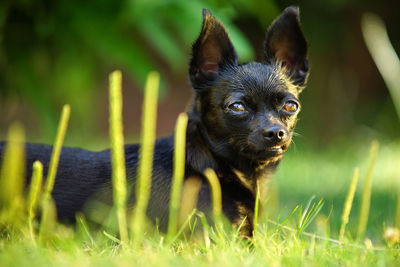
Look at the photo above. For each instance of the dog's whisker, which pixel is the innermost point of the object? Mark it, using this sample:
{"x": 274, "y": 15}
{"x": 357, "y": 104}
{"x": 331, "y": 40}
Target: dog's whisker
{"x": 297, "y": 134}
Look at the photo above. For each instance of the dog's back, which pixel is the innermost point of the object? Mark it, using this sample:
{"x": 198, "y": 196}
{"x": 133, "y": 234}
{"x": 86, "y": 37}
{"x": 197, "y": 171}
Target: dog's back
{"x": 84, "y": 175}
{"x": 80, "y": 174}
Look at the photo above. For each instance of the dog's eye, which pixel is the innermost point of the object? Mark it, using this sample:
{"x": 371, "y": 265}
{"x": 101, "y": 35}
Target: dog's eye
{"x": 237, "y": 107}
{"x": 291, "y": 106}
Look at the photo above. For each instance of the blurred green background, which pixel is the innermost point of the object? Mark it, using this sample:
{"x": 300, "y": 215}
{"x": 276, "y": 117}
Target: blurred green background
{"x": 61, "y": 51}
{"x": 57, "y": 52}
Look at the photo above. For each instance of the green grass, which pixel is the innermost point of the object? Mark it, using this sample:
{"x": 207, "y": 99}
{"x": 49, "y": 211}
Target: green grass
{"x": 299, "y": 225}
{"x": 147, "y": 140}
{"x": 348, "y": 204}
{"x": 179, "y": 173}
{"x": 118, "y": 153}
{"x": 34, "y": 195}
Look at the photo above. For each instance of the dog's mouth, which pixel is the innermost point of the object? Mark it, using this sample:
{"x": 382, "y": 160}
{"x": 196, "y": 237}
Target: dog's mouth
{"x": 277, "y": 149}
{"x": 274, "y": 151}
{"x": 269, "y": 153}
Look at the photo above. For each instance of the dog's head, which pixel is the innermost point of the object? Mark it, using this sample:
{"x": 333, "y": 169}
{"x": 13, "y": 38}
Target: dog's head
{"x": 249, "y": 110}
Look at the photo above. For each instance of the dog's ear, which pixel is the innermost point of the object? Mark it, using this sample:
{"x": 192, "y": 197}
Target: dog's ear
{"x": 212, "y": 52}
{"x": 285, "y": 44}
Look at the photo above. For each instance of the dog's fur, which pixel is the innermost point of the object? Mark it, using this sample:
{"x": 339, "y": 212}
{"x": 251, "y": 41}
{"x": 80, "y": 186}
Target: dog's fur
{"x": 240, "y": 124}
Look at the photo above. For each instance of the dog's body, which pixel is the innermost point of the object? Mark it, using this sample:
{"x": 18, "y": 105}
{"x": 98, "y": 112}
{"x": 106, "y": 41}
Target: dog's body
{"x": 240, "y": 125}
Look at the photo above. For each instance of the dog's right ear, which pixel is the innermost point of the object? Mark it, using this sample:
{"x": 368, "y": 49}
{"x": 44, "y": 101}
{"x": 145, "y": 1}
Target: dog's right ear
{"x": 212, "y": 52}
{"x": 285, "y": 43}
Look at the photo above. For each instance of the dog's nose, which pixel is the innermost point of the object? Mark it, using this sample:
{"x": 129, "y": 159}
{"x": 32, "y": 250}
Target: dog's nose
{"x": 275, "y": 133}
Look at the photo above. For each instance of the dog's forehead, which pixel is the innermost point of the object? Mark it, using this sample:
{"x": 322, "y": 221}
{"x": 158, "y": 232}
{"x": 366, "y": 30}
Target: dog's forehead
{"x": 260, "y": 80}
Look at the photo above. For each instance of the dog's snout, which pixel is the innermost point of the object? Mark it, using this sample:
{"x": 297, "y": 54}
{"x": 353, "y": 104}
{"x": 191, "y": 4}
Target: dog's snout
{"x": 275, "y": 133}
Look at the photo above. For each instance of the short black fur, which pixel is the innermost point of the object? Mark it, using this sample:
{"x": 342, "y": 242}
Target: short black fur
{"x": 240, "y": 124}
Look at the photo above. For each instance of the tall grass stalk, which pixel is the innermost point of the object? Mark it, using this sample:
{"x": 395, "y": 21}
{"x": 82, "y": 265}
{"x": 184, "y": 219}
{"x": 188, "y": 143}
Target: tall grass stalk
{"x": 84, "y": 228}
{"x": 49, "y": 217}
{"x": 216, "y": 196}
{"x": 397, "y": 218}
{"x": 308, "y": 215}
{"x": 383, "y": 54}
{"x": 184, "y": 225}
{"x": 179, "y": 172}
{"x": 256, "y": 211}
{"x": 35, "y": 189}
{"x": 189, "y": 198}
{"x": 48, "y": 220}
{"x": 55, "y": 156}
{"x": 12, "y": 176}
{"x": 118, "y": 153}
{"x": 348, "y": 203}
{"x": 366, "y": 194}
{"x": 148, "y": 136}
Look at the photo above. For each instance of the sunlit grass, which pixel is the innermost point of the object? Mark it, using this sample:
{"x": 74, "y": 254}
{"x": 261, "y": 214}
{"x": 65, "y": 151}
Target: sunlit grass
{"x": 366, "y": 193}
{"x": 256, "y": 211}
{"x": 215, "y": 192}
{"x": 148, "y": 137}
{"x": 12, "y": 175}
{"x": 397, "y": 218}
{"x": 55, "y": 156}
{"x": 179, "y": 172}
{"x": 118, "y": 153}
{"x": 34, "y": 195}
{"x": 385, "y": 57}
{"x": 49, "y": 213}
{"x": 348, "y": 203}
{"x": 216, "y": 198}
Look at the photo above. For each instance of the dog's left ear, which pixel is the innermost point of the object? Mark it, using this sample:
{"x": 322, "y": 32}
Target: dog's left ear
{"x": 285, "y": 44}
{"x": 212, "y": 52}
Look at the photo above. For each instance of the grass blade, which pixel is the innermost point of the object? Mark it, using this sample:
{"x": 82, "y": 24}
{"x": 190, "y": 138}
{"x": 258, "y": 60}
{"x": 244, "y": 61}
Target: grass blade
{"x": 309, "y": 215}
{"x": 290, "y": 215}
{"x": 112, "y": 238}
{"x": 366, "y": 194}
{"x": 215, "y": 192}
{"x": 12, "y": 177}
{"x": 49, "y": 215}
{"x": 84, "y": 228}
{"x": 55, "y": 156}
{"x": 397, "y": 218}
{"x": 48, "y": 220}
{"x": 348, "y": 203}
{"x": 206, "y": 229}
{"x": 383, "y": 54}
{"x": 118, "y": 154}
{"x": 256, "y": 208}
{"x": 302, "y": 218}
{"x": 216, "y": 199}
{"x": 34, "y": 195}
{"x": 183, "y": 226}
{"x": 179, "y": 172}
{"x": 148, "y": 136}
{"x": 190, "y": 195}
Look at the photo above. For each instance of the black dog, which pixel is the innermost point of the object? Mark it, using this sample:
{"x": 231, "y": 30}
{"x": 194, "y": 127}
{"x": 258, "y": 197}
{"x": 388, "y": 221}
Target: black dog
{"x": 240, "y": 125}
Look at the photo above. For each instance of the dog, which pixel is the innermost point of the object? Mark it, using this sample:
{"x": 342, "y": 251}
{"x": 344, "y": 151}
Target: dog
{"x": 240, "y": 125}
